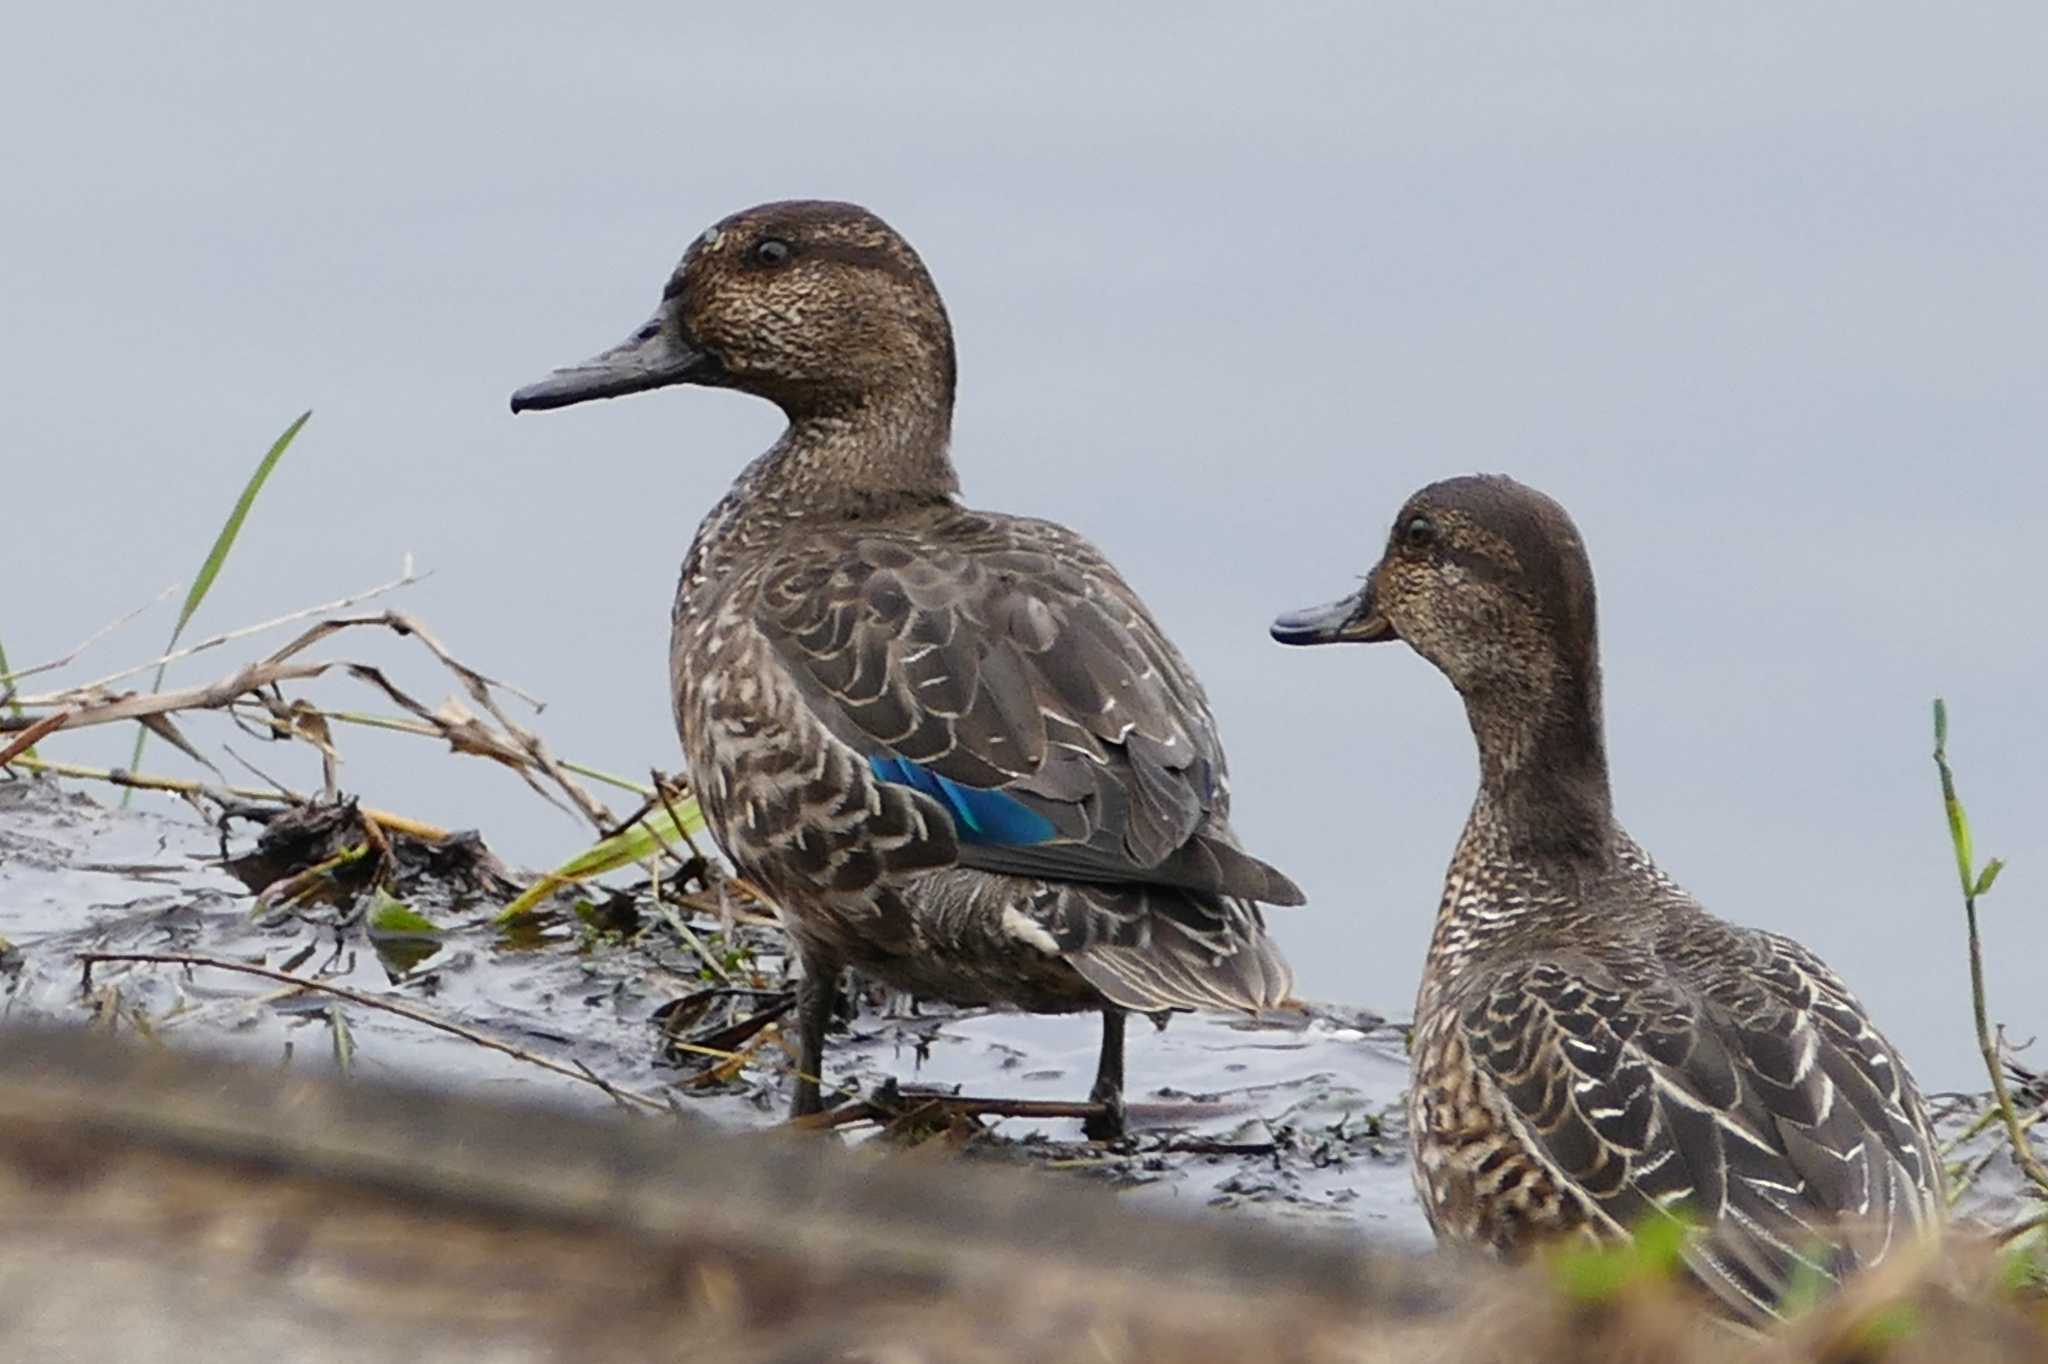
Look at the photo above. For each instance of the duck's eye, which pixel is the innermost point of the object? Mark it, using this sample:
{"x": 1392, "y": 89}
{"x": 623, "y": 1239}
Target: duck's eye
{"x": 1419, "y": 532}
{"x": 771, "y": 251}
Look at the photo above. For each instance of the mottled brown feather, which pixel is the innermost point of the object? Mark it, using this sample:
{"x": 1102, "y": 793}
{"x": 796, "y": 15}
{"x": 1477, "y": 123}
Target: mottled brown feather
{"x": 838, "y": 605}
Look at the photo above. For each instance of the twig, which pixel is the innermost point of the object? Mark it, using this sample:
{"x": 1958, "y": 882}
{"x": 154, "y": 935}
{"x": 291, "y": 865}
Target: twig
{"x": 2005, "y": 1236}
{"x": 479, "y": 687}
{"x": 1217, "y": 1148}
{"x": 953, "y": 1105}
{"x": 668, "y": 911}
{"x": 429, "y": 731}
{"x": 188, "y": 1010}
{"x": 136, "y": 705}
{"x": 662, "y": 787}
{"x": 390, "y": 821}
{"x": 179, "y": 786}
{"x": 290, "y": 796}
{"x": 298, "y": 885}
{"x": 517, "y": 748}
{"x": 677, "y": 926}
{"x": 725, "y": 1070}
{"x": 405, "y": 578}
{"x": 89, "y": 959}
{"x": 617, "y": 1095}
{"x": 27, "y": 738}
{"x": 1975, "y": 884}
{"x": 747, "y": 1031}
{"x": 8, "y": 679}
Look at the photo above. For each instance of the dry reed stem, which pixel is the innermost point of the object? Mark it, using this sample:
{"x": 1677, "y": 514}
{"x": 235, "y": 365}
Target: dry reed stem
{"x": 255, "y": 686}
{"x": 8, "y": 680}
{"x": 390, "y": 820}
{"x": 405, "y": 579}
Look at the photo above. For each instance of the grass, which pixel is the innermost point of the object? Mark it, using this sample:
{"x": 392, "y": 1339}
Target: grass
{"x": 1653, "y": 1254}
{"x": 210, "y": 567}
{"x": 1976, "y": 883}
{"x": 639, "y": 842}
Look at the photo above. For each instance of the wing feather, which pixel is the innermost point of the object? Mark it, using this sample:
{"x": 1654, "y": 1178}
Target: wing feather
{"x": 1757, "y": 1096}
{"x": 1005, "y": 655}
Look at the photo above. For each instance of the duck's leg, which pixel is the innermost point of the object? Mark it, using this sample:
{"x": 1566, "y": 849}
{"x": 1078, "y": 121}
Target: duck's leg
{"x": 1109, "y": 1080}
{"x": 815, "y": 994}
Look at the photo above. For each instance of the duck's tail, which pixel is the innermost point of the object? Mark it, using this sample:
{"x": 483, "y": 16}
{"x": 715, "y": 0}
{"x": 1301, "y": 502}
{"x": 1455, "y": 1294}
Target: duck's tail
{"x": 1149, "y": 948}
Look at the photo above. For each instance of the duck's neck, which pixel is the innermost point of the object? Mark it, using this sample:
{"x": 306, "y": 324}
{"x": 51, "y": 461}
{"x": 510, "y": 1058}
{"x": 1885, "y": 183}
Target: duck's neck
{"x": 858, "y": 459}
{"x": 851, "y": 463}
{"x": 1543, "y": 789}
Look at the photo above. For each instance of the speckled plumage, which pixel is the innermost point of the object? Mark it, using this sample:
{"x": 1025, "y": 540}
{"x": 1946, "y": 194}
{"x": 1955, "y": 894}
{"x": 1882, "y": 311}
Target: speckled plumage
{"x": 952, "y": 745}
{"x": 1591, "y": 1047}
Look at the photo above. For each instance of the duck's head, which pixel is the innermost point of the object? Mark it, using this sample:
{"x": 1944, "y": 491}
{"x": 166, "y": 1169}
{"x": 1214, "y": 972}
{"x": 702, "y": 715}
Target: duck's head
{"x": 1485, "y": 578}
{"x": 819, "y": 307}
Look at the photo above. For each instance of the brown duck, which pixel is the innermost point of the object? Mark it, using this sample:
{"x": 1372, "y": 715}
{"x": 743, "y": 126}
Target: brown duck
{"x": 953, "y": 745}
{"x": 1593, "y": 1049}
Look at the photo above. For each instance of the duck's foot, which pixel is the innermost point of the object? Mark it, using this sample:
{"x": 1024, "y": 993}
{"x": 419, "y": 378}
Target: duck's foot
{"x": 1108, "y": 1125}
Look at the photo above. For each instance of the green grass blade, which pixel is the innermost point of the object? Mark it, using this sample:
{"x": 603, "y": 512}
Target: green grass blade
{"x": 391, "y": 917}
{"x": 1654, "y": 1253}
{"x": 215, "y": 558}
{"x": 645, "y": 838}
{"x": 225, "y": 541}
{"x": 1952, "y": 805}
{"x": 1959, "y": 835}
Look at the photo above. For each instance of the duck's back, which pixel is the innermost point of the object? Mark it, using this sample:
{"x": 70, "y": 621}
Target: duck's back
{"x": 864, "y": 700}
{"x": 1637, "y": 1055}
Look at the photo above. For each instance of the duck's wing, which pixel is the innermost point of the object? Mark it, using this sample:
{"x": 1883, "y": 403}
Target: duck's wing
{"x": 1755, "y": 1096}
{"x": 1004, "y": 670}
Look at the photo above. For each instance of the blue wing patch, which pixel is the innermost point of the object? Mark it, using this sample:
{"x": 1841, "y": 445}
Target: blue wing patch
{"x": 979, "y": 816}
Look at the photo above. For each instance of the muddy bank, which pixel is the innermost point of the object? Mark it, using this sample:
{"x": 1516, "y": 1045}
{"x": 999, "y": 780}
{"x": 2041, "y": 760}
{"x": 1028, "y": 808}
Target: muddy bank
{"x": 1293, "y": 1116}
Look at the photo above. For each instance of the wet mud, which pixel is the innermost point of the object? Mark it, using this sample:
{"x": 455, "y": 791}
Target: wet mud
{"x": 1295, "y": 1115}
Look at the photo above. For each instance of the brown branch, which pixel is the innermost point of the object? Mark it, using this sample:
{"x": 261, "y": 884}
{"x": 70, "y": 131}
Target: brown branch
{"x": 85, "y": 709}
{"x": 479, "y": 687}
{"x": 512, "y": 745}
{"x": 27, "y": 738}
{"x": 878, "y": 1109}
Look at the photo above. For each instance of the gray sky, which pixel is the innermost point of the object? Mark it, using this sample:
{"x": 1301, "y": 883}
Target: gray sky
{"x": 1759, "y": 296}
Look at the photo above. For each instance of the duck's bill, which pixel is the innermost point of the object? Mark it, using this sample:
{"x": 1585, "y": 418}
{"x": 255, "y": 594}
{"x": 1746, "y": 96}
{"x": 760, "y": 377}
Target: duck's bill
{"x": 1349, "y": 620}
{"x": 652, "y": 357}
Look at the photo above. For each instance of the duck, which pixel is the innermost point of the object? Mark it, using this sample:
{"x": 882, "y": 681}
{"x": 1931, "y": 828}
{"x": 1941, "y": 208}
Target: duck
{"x": 953, "y": 746}
{"x": 1592, "y": 1050}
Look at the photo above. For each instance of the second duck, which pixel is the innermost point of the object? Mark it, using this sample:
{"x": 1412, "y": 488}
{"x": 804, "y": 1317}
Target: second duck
{"x": 1592, "y": 1049}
